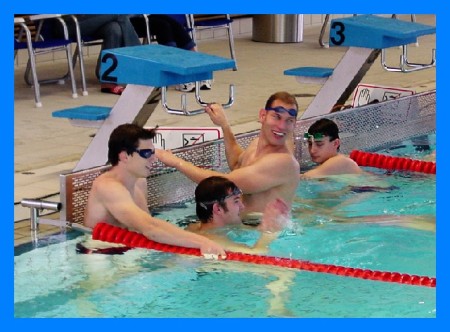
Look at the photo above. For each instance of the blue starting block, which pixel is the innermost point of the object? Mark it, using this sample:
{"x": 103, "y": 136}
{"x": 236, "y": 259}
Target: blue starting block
{"x": 141, "y": 68}
{"x": 158, "y": 65}
{"x": 366, "y": 36}
{"x": 375, "y": 32}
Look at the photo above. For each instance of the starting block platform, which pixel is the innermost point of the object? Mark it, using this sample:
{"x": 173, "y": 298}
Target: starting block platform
{"x": 317, "y": 75}
{"x": 84, "y": 116}
{"x": 371, "y": 31}
{"x": 143, "y": 69}
{"x": 158, "y": 65}
{"x": 366, "y": 36}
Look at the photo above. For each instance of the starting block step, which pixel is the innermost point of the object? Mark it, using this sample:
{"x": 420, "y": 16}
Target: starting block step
{"x": 376, "y": 32}
{"x": 315, "y": 75}
{"x": 319, "y": 72}
{"x": 84, "y": 116}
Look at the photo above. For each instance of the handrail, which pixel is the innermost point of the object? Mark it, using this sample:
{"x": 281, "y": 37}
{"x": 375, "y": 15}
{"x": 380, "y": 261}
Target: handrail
{"x": 406, "y": 66}
{"x": 184, "y": 110}
{"x": 35, "y": 206}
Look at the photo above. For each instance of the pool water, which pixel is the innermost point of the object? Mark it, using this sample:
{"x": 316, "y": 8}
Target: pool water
{"x": 332, "y": 224}
{"x": 419, "y": 147}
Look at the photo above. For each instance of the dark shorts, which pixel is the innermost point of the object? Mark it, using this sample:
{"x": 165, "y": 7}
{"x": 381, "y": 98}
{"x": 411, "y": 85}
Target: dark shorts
{"x": 81, "y": 249}
{"x": 369, "y": 189}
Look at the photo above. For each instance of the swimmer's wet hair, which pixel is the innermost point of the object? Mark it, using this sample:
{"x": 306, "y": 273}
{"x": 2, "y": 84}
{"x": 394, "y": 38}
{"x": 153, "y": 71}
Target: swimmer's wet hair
{"x": 326, "y": 127}
{"x": 126, "y": 138}
{"x": 283, "y": 96}
{"x": 213, "y": 188}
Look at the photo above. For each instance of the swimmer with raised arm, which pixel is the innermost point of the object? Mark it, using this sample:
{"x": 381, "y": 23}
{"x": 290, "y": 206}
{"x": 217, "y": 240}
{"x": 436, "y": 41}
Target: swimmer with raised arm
{"x": 267, "y": 169}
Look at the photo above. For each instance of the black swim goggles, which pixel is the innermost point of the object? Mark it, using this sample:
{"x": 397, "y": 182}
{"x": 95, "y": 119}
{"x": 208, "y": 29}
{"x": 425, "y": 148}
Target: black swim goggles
{"x": 236, "y": 191}
{"x": 145, "y": 153}
{"x": 279, "y": 109}
{"x": 307, "y": 137}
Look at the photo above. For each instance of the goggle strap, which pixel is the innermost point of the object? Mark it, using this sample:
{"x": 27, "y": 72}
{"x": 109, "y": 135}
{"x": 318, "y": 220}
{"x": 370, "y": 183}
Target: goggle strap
{"x": 291, "y": 111}
{"x": 313, "y": 137}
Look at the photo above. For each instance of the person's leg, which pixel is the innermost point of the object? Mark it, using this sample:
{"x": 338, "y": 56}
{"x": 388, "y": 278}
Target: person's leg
{"x": 160, "y": 28}
{"x": 170, "y": 32}
{"x": 115, "y": 30}
{"x": 102, "y": 27}
{"x": 179, "y": 34}
{"x": 111, "y": 34}
{"x": 90, "y": 25}
{"x": 129, "y": 35}
{"x": 139, "y": 25}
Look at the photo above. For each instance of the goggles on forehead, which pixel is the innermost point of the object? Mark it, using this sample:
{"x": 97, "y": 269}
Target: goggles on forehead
{"x": 145, "y": 153}
{"x": 236, "y": 192}
{"x": 307, "y": 137}
{"x": 279, "y": 109}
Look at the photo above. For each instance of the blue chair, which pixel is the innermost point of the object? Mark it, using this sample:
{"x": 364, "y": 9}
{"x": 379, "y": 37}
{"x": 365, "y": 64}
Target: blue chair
{"x": 18, "y": 45}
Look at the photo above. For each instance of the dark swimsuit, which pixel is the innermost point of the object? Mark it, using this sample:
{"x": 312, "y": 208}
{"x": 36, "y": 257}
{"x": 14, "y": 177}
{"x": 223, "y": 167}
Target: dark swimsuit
{"x": 81, "y": 249}
{"x": 368, "y": 189}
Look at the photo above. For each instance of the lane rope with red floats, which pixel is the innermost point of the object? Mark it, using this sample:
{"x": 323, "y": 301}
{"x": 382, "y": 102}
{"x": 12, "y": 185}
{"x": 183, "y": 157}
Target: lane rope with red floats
{"x": 392, "y": 163}
{"x": 114, "y": 234}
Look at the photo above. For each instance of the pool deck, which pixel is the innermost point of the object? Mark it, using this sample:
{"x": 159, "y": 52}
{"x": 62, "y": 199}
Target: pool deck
{"x": 45, "y": 147}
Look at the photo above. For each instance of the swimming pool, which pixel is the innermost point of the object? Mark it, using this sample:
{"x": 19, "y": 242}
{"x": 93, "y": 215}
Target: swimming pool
{"x": 51, "y": 280}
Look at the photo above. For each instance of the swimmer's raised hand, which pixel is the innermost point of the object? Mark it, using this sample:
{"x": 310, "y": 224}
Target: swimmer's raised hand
{"x": 216, "y": 114}
{"x": 275, "y": 216}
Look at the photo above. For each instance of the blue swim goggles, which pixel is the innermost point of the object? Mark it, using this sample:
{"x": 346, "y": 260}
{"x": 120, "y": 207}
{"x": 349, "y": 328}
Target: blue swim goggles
{"x": 279, "y": 109}
{"x": 145, "y": 153}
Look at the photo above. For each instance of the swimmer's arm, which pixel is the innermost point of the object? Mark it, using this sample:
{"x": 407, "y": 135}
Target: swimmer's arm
{"x": 232, "y": 149}
{"x": 275, "y": 218}
{"x": 281, "y": 167}
{"x": 193, "y": 172}
{"x": 120, "y": 204}
{"x": 262, "y": 245}
{"x": 268, "y": 172}
{"x": 141, "y": 195}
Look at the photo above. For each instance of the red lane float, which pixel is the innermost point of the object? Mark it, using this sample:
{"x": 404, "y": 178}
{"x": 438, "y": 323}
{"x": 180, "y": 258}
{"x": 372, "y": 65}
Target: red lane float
{"x": 114, "y": 234}
{"x": 392, "y": 163}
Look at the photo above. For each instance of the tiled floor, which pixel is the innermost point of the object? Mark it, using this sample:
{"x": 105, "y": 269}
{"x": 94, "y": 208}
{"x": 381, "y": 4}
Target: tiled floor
{"x": 46, "y": 147}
